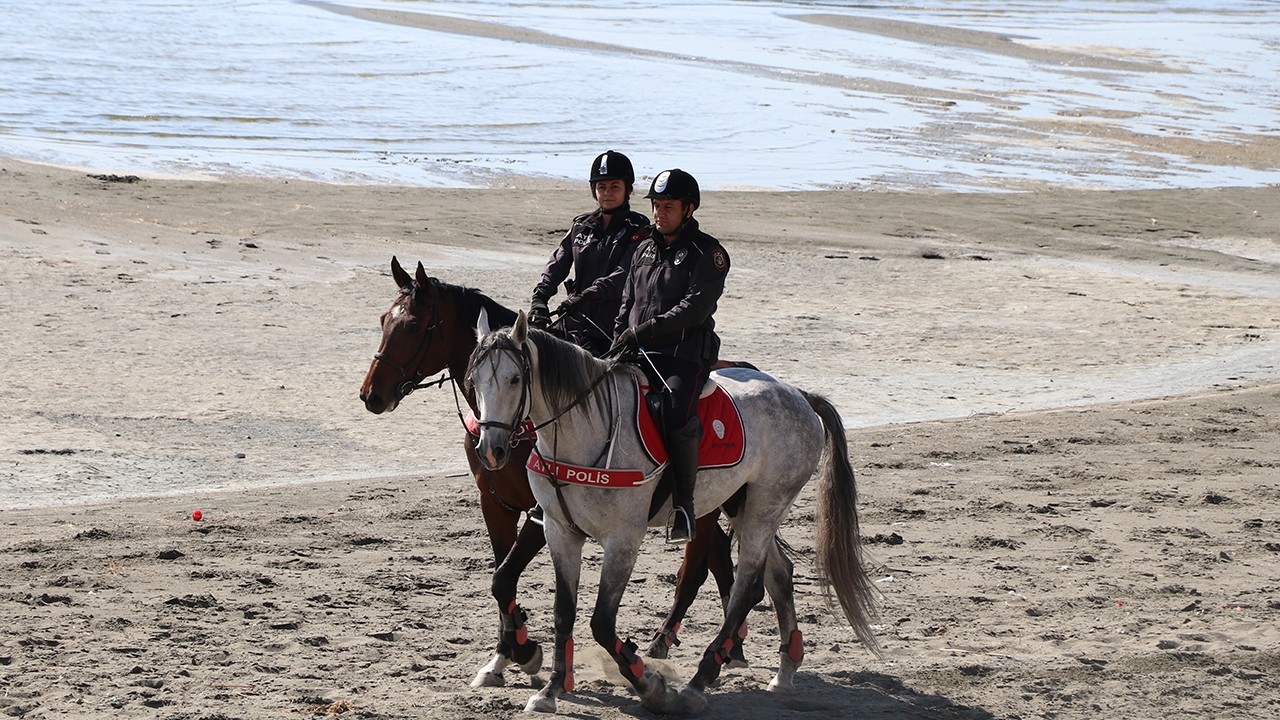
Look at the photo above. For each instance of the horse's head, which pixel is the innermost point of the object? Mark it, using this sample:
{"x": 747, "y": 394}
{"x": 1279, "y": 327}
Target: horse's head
{"x": 412, "y": 344}
{"x": 524, "y": 373}
{"x": 500, "y": 375}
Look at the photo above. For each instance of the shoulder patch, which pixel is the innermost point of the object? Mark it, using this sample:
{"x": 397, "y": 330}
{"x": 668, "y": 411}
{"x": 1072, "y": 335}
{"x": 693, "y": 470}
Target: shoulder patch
{"x": 720, "y": 260}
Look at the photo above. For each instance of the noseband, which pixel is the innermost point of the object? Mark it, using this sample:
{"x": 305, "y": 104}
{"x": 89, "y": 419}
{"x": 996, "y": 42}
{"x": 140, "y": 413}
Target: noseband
{"x": 413, "y": 381}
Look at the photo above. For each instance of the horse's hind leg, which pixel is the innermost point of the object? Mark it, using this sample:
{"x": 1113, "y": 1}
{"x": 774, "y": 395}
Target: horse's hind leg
{"x": 711, "y": 551}
{"x": 778, "y": 581}
{"x": 689, "y": 579}
{"x": 720, "y": 561}
{"x": 748, "y": 591}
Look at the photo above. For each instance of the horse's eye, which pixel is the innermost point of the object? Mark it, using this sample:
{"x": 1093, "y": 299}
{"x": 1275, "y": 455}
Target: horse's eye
{"x": 413, "y": 326}
{"x": 514, "y": 380}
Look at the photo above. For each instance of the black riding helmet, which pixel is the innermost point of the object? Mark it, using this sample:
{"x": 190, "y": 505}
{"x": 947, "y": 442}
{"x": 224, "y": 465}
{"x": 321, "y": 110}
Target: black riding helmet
{"x": 675, "y": 184}
{"x": 612, "y": 165}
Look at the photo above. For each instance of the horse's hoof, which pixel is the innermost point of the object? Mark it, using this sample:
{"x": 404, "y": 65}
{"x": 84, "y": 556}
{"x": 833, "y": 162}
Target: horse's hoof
{"x": 533, "y": 664}
{"x": 540, "y": 704}
{"x": 737, "y": 663}
{"x": 654, "y": 694}
{"x": 484, "y": 678}
{"x": 690, "y": 702}
{"x": 658, "y": 649}
{"x": 782, "y": 687}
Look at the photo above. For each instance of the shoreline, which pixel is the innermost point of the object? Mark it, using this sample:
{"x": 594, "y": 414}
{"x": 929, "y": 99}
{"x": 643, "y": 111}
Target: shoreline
{"x": 901, "y": 307}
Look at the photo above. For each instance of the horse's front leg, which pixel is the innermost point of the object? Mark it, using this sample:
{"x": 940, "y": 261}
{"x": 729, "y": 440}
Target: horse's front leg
{"x": 514, "y": 552}
{"x": 566, "y": 558}
{"x": 615, "y": 573}
{"x": 514, "y": 645}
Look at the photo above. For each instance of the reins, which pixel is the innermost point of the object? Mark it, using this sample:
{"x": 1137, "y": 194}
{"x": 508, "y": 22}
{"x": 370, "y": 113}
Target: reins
{"x": 524, "y": 431}
{"x": 518, "y": 431}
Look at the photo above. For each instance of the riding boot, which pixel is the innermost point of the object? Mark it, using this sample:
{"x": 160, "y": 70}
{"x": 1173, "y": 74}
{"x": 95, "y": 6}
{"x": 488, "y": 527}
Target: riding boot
{"x": 682, "y": 456}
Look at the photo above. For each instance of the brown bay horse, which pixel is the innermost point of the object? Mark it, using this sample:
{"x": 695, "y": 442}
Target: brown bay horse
{"x": 430, "y": 328}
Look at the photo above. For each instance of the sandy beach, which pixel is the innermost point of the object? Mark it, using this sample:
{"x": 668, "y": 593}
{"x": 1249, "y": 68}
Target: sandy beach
{"x": 1061, "y": 408}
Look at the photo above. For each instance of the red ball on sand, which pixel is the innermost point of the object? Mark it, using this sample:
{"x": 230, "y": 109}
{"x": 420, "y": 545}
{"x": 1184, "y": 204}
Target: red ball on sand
{"x": 197, "y": 515}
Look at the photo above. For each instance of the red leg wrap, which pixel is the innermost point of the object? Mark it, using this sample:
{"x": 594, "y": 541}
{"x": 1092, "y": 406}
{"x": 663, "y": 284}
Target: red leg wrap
{"x": 742, "y": 630}
{"x": 628, "y": 653}
{"x": 722, "y": 654}
{"x": 568, "y": 665}
{"x": 515, "y": 618}
{"x": 795, "y": 648}
{"x": 670, "y": 638}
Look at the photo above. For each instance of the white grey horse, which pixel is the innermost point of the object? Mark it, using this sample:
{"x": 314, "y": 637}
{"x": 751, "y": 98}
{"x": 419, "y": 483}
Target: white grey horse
{"x": 582, "y": 406}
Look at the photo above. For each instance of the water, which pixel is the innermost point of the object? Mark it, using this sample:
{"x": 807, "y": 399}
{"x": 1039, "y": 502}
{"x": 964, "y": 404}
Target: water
{"x": 744, "y": 94}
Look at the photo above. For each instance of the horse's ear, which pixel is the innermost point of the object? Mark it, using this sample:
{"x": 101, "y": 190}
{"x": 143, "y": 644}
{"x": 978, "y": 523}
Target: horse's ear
{"x": 482, "y": 324}
{"x": 520, "y": 330}
{"x": 425, "y": 285}
{"x": 401, "y": 277}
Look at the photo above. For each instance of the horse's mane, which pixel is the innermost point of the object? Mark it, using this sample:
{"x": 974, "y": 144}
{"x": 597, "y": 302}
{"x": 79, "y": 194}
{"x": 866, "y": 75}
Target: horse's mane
{"x": 469, "y": 301}
{"x": 565, "y": 371}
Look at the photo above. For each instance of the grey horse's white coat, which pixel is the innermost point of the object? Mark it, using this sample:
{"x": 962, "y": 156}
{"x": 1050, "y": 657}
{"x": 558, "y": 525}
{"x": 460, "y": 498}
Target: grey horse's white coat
{"x": 582, "y": 403}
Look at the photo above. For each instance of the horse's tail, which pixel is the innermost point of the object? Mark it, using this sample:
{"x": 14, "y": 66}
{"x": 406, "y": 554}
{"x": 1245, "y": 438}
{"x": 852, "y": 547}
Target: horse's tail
{"x": 838, "y": 541}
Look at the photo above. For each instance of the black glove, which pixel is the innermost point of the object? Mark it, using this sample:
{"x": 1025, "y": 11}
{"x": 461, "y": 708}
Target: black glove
{"x": 627, "y": 344}
{"x": 538, "y": 315}
{"x": 625, "y": 347}
{"x": 569, "y": 303}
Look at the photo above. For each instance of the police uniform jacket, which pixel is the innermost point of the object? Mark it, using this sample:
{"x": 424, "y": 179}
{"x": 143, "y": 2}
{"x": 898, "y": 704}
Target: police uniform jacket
{"x": 671, "y": 294}
{"x": 599, "y": 257}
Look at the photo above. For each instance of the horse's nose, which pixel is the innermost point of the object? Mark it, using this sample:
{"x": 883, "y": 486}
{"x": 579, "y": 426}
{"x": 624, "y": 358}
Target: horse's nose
{"x": 492, "y": 456}
{"x": 373, "y": 403}
{"x": 499, "y": 456}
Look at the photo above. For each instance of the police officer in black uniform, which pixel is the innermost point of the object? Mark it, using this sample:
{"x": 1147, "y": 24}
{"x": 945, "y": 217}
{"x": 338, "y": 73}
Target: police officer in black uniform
{"x": 598, "y": 249}
{"x": 677, "y": 276}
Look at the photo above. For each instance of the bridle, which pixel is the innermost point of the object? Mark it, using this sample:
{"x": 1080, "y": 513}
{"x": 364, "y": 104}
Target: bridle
{"x": 519, "y": 429}
{"x": 413, "y": 381}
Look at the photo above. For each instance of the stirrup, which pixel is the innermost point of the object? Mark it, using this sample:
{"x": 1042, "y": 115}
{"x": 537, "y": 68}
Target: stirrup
{"x": 676, "y": 534}
{"x": 535, "y": 514}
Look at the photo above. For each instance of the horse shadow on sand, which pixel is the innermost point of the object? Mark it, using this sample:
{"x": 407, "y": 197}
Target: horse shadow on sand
{"x": 841, "y": 695}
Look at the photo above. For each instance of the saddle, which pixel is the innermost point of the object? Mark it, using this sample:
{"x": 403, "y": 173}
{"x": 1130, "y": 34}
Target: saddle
{"x": 722, "y": 442}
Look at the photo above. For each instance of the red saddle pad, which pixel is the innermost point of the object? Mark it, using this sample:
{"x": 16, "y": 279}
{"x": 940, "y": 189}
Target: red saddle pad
{"x": 723, "y": 441}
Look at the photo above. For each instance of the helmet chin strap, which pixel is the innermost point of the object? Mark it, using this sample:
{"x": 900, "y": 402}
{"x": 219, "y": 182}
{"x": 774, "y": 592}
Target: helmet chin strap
{"x": 688, "y": 213}
{"x": 622, "y": 207}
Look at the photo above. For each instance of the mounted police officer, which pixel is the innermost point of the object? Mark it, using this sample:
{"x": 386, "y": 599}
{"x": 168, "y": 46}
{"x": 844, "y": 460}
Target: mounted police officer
{"x": 677, "y": 276}
{"x": 598, "y": 249}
